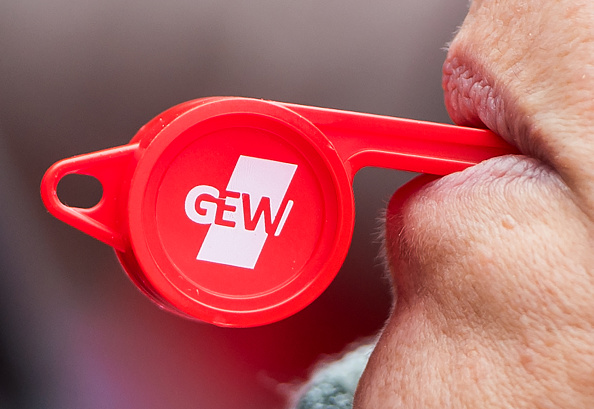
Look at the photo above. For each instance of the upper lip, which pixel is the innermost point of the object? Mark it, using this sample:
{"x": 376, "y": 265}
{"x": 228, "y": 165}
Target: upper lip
{"x": 464, "y": 90}
{"x": 470, "y": 96}
{"x": 474, "y": 97}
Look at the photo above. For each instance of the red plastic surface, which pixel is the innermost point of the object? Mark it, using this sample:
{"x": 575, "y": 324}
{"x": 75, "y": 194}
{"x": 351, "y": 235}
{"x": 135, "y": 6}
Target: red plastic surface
{"x": 239, "y": 212}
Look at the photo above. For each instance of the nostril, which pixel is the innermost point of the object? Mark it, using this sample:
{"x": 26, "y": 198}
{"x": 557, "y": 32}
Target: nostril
{"x": 81, "y": 191}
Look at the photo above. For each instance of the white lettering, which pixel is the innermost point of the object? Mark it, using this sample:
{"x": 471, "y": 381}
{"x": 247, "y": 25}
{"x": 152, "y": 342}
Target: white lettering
{"x": 253, "y": 207}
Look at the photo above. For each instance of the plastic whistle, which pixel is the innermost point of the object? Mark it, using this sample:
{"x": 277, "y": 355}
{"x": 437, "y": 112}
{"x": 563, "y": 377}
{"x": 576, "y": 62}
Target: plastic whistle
{"x": 240, "y": 212}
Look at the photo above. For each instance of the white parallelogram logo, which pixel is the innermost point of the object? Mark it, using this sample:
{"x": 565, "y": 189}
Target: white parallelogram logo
{"x": 243, "y": 216}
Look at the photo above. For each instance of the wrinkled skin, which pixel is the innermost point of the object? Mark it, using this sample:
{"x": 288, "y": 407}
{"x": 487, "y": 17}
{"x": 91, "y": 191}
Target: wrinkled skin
{"x": 493, "y": 267}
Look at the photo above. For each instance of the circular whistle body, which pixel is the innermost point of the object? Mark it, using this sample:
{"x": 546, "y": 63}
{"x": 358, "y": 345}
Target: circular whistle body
{"x": 240, "y": 212}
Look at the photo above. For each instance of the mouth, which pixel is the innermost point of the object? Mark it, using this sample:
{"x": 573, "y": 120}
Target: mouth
{"x": 474, "y": 98}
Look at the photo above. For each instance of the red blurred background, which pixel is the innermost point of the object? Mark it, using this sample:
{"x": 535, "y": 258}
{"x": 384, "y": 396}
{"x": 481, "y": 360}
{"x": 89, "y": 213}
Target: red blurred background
{"x": 79, "y": 76}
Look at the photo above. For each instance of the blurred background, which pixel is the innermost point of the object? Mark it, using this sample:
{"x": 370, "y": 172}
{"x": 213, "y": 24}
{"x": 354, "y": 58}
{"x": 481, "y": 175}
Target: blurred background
{"x": 79, "y": 76}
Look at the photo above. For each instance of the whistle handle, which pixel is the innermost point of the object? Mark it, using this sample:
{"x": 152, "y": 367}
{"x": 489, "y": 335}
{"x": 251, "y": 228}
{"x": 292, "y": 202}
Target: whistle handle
{"x": 403, "y": 144}
{"x": 102, "y": 221}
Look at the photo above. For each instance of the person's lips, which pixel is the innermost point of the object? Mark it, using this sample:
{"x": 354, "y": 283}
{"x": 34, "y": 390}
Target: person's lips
{"x": 473, "y": 100}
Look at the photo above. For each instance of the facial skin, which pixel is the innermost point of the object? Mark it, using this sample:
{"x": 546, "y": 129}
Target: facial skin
{"x": 493, "y": 267}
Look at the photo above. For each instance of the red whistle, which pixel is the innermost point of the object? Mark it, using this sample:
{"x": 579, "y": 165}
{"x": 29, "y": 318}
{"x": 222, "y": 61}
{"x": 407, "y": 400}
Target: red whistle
{"x": 240, "y": 212}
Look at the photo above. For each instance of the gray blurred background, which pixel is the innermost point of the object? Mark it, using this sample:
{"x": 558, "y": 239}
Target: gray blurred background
{"x": 79, "y": 76}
